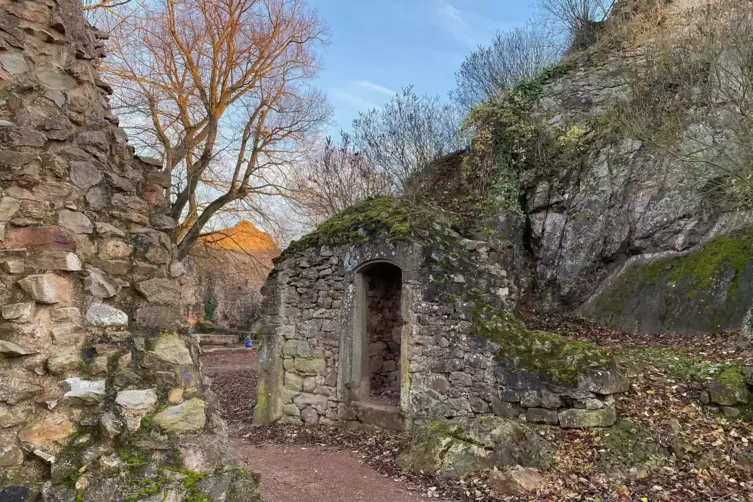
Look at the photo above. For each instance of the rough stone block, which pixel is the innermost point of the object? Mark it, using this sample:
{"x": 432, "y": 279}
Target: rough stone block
{"x": 18, "y": 312}
{"x": 47, "y": 288}
{"x": 52, "y": 428}
{"x": 293, "y": 381}
{"x": 582, "y": 419}
{"x": 65, "y": 360}
{"x": 85, "y": 392}
{"x": 603, "y": 381}
{"x": 541, "y": 416}
{"x": 310, "y": 365}
{"x": 186, "y": 417}
{"x": 103, "y": 315}
{"x": 160, "y": 291}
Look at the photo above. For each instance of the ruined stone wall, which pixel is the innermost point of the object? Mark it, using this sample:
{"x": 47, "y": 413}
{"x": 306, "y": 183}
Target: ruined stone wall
{"x": 95, "y": 379}
{"x": 311, "y": 367}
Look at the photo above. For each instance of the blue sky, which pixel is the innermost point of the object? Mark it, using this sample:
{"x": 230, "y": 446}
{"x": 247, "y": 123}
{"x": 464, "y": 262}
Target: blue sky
{"x": 380, "y": 46}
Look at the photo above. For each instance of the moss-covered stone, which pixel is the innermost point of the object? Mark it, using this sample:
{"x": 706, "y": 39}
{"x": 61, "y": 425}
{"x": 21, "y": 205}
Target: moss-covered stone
{"x": 455, "y": 448}
{"x": 398, "y": 219}
{"x": 628, "y": 445}
{"x": 729, "y": 388}
{"x": 586, "y": 419}
{"x": 700, "y": 292}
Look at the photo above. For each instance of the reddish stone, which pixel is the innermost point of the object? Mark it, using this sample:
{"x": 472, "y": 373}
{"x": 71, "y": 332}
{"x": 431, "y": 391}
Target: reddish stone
{"x": 154, "y": 195}
{"x": 44, "y": 238}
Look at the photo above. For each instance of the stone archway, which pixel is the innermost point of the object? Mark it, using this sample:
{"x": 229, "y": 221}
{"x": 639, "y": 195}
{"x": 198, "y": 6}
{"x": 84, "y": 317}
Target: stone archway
{"x": 378, "y": 335}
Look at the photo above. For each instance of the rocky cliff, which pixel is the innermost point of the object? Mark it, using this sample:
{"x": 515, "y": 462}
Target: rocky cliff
{"x": 625, "y": 232}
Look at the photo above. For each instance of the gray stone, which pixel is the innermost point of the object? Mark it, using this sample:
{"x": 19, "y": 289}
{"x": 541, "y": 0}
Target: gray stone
{"x": 107, "y": 230}
{"x": 515, "y": 482}
{"x": 56, "y": 79}
{"x": 65, "y": 360}
{"x": 84, "y": 174}
{"x": 137, "y": 399}
{"x": 76, "y": 222}
{"x": 541, "y": 416}
{"x": 47, "y": 288}
{"x": 10, "y": 456}
{"x": 65, "y": 314}
{"x": 156, "y": 316}
{"x": 68, "y": 334}
{"x": 84, "y": 391}
{"x": 160, "y": 291}
{"x": 458, "y": 447}
{"x": 14, "y": 63}
{"x": 583, "y": 419}
{"x": 186, "y": 417}
{"x": 310, "y": 416}
{"x": 10, "y": 349}
{"x": 506, "y": 410}
{"x": 8, "y": 207}
{"x": 530, "y": 399}
{"x": 729, "y": 391}
{"x": 100, "y": 284}
{"x": 17, "y": 388}
{"x": 177, "y": 269}
{"x": 603, "y": 381}
{"x": 293, "y": 381}
{"x": 103, "y": 315}
{"x": 13, "y": 266}
{"x": 172, "y": 350}
{"x": 18, "y": 312}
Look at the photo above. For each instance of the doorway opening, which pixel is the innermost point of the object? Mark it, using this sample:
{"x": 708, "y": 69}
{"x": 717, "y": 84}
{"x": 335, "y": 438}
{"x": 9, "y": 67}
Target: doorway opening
{"x": 382, "y": 297}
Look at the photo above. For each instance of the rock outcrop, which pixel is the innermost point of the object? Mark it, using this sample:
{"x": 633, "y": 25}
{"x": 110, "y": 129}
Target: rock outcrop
{"x": 84, "y": 412}
{"x": 616, "y": 233}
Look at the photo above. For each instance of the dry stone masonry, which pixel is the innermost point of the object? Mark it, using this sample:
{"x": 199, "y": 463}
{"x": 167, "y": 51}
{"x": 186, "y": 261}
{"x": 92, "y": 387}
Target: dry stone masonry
{"x": 389, "y": 286}
{"x": 100, "y": 397}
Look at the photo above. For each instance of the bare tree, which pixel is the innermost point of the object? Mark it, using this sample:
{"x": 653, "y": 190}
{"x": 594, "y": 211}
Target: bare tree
{"x": 580, "y": 19}
{"x": 334, "y": 178}
{"x": 220, "y": 89}
{"x": 512, "y": 57}
{"x": 408, "y": 133}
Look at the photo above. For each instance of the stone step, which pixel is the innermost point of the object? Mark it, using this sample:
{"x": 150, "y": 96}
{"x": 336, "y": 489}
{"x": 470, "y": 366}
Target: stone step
{"x": 379, "y": 415}
{"x": 218, "y": 338}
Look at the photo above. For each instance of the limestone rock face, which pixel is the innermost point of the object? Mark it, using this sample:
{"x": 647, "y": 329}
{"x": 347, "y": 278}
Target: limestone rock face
{"x": 76, "y": 235}
{"x": 598, "y": 227}
{"x": 459, "y": 447}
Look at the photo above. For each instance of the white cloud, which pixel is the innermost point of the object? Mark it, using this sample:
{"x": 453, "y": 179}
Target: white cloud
{"x": 353, "y": 100}
{"x": 365, "y": 84}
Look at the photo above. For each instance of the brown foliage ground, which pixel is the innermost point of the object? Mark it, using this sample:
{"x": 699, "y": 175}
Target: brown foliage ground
{"x": 682, "y": 452}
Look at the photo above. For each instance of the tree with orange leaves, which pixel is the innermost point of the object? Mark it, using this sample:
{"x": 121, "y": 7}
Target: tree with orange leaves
{"x": 221, "y": 90}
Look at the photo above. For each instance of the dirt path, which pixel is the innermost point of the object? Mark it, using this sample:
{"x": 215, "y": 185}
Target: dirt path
{"x": 319, "y": 474}
{"x": 295, "y": 473}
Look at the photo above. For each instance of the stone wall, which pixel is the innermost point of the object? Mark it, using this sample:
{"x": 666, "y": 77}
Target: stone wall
{"x": 96, "y": 379}
{"x": 462, "y": 353}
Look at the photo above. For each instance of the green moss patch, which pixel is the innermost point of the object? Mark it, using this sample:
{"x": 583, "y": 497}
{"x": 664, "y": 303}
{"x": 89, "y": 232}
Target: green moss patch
{"x": 398, "y": 219}
{"x": 556, "y": 358}
{"x": 628, "y": 445}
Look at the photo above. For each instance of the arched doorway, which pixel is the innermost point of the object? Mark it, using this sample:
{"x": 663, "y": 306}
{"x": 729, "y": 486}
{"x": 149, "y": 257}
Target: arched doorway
{"x": 377, "y": 342}
{"x": 384, "y": 324}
